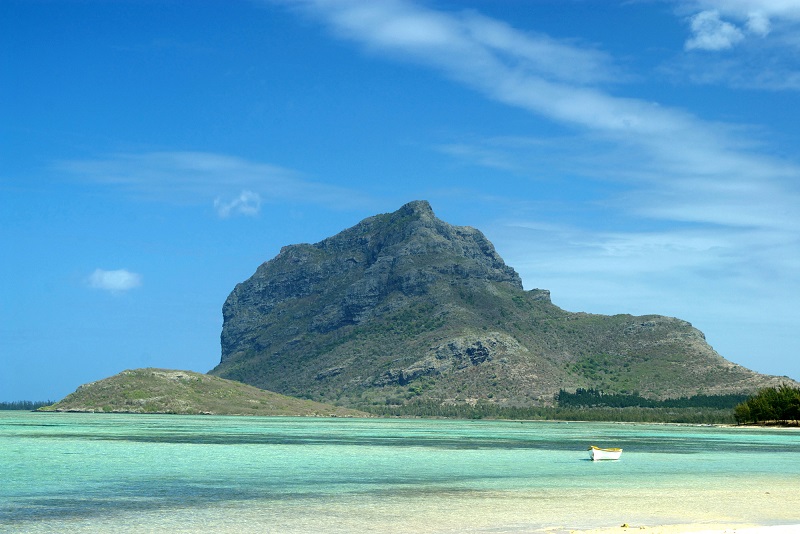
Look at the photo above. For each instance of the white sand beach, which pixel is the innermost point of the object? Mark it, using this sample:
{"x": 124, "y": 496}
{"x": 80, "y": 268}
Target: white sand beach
{"x": 694, "y": 529}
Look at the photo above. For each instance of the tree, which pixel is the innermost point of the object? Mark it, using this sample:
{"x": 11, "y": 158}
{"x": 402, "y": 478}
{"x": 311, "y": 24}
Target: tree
{"x": 776, "y": 404}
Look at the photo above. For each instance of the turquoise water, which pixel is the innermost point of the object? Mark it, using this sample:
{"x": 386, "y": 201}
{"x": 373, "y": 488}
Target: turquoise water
{"x": 151, "y": 473}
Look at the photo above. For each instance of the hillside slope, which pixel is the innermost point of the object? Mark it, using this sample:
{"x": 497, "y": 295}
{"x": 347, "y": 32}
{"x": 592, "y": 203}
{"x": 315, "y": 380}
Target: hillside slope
{"x": 186, "y": 392}
{"x": 404, "y": 306}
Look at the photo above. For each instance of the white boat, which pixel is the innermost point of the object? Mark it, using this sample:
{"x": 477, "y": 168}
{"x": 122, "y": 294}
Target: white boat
{"x": 596, "y": 453}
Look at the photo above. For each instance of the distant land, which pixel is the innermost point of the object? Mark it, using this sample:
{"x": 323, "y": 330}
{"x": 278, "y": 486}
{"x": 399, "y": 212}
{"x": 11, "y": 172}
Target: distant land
{"x": 406, "y": 314}
{"x": 187, "y": 392}
{"x": 405, "y": 308}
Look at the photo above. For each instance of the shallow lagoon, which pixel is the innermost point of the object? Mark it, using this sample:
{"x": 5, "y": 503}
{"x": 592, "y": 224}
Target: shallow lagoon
{"x": 134, "y": 473}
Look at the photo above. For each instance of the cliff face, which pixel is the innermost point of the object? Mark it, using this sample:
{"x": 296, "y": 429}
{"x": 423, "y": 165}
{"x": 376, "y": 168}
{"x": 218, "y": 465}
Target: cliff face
{"x": 405, "y": 306}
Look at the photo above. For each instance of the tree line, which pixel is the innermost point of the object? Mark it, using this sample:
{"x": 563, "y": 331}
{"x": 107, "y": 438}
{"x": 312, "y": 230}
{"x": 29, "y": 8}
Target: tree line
{"x": 778, "y": 405}
{"x": 594, "y": 398}
{"x": 487, "y": 410}
{"x": 25, "y": 405}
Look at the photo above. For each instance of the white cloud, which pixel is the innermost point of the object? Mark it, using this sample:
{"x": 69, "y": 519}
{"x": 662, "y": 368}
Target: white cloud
{"x": 720, "y": 24}
{"x": 247, "y": 203}
{"x": 745, "y": 9}
{"x": 712, "y": 33}
{"x": 115, "y": 282}
{"x": 759, "y": 39}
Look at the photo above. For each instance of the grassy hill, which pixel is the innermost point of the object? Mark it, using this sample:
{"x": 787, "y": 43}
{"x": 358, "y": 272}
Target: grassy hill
{"x": 187, "y": 392}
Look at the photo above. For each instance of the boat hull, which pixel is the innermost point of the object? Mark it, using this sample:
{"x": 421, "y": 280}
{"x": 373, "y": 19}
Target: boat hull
{"x": 596, "y": 453}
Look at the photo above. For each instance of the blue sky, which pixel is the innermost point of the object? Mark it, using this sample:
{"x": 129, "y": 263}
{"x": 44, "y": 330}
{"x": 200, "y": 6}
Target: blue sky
{"x": 631, "y": 157}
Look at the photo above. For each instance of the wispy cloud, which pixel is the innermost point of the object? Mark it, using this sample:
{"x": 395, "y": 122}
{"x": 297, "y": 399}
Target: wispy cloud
{"x": 678, "y": 166}
{"x": 669, "y": 154}
{"x": 556, "y": 80}
{"x": 694, "y": 207}
{"x": 232, "y": 185}
{"x": 464, "y": 43}
{"x": 115, "y": 282}
{"x": 521, "y": 69}
{"x": 668, "y": 150}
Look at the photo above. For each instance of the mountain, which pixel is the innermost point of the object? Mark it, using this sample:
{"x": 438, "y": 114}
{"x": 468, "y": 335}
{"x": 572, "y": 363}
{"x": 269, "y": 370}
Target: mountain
{"x": 186, "y": 392}
{"x": 404, "y": 306}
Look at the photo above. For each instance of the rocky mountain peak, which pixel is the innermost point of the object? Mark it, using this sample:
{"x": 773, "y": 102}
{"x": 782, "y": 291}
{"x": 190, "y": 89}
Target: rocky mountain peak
{"x": 413, "y": 238}
{"x": 364, "y": 271}
{"x": 404, "y": 304}
{"x": 417, "y": 208}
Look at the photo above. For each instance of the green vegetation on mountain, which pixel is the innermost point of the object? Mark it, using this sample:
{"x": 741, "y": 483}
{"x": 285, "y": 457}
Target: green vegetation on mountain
{"x": 404, "y": 312}
{"x": 186, "y": 392}
{"x": 775, "y": 405}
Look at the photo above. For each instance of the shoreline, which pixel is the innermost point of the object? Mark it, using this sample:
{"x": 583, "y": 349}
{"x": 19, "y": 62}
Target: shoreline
{"x": 687, "y": 528}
